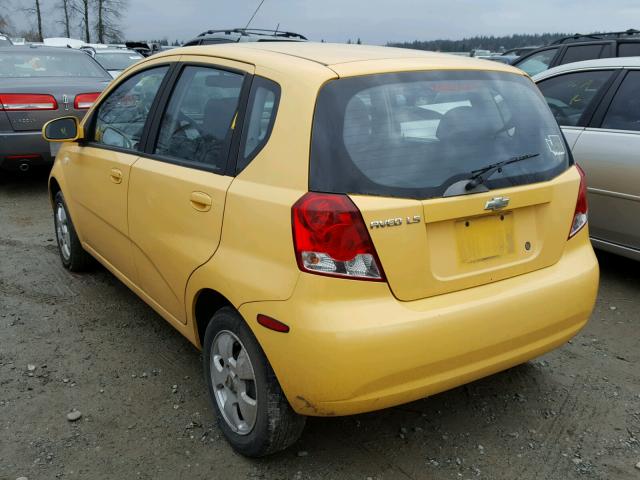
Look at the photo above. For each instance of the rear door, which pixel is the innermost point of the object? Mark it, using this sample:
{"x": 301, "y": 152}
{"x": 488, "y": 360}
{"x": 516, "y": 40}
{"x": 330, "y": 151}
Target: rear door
{"x": 178, "y": 188}
{"x": 574, "y": 96}
{"x": 609, "y": 151}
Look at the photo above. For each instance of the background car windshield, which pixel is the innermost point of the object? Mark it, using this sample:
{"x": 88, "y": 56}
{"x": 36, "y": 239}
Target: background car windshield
{"x": 117, "y": 61}
{"x": 43, "y": 63}
{"x": 414, "y": 134}
{"x": 538, "y": 62}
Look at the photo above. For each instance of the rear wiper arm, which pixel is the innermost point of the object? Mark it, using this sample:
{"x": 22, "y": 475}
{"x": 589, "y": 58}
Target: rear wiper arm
{"x": 481, "y": 175}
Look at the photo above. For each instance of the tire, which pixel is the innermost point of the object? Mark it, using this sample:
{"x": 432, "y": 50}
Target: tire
{"x": 74, "y": 257}
{"x": 271, "y": 425}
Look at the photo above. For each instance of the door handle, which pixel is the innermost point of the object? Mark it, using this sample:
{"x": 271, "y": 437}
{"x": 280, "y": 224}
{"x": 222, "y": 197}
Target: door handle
{"x": 201, "y": 201}
{"x": 115, "y": 175}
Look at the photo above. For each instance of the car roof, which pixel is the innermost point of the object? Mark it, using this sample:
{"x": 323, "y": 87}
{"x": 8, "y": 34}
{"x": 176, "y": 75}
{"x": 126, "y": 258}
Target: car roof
{"x": 613, "y": 62}
{"x": 115, "y": 50}
{"x": 330, "y": 54}
{"x": 36, "y": 48}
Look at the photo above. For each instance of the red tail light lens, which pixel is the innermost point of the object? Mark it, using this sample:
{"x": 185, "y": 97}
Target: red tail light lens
{"x": 14, "y": 102}
{"x": 84, "y": 101}
{"x": 581, "y": 215}
{"x": 330, "y": 238}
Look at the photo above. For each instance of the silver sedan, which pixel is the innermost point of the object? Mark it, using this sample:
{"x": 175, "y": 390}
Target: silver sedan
{"x": 597, "y": 103}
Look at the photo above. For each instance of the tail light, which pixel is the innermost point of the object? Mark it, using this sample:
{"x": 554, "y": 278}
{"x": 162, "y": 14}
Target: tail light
{"x": 13, "y": 102}
{"x": 84, "y": 101}
{"x": 581, "y": 215}
{"x": 330, "y": 238}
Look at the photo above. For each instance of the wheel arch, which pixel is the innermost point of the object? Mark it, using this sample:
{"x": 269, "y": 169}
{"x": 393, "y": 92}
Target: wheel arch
{"x": 54, "y": 188}
{"x": 205, "y": 304}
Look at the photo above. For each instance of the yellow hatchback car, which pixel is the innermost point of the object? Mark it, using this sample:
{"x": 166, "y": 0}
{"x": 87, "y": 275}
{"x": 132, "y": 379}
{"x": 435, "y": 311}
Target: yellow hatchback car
{"x": 339, "y": 228}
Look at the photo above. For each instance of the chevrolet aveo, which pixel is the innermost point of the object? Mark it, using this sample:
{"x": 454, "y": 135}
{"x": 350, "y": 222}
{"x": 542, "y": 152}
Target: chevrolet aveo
{"x": 339, "y": 228}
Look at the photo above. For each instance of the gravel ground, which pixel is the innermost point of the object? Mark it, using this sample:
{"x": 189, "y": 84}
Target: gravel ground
{"x": 86, "y": 345}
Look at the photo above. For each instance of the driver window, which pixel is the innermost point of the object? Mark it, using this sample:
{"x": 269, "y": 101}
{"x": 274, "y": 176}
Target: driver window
{"x": 199, "y": 120}
{"x": 121, "y": 117}
{"x": 569, "y": 95}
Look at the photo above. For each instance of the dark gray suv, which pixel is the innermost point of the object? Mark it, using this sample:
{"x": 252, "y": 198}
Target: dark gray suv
{"x": 578, "y": 48}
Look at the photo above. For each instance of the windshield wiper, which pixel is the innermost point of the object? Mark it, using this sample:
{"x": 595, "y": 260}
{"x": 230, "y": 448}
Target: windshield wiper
{"x": 481, "y": 175}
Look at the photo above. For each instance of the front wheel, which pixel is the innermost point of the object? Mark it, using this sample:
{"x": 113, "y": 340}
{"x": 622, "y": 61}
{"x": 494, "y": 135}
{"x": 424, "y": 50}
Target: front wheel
{"x": 251, "y": 408}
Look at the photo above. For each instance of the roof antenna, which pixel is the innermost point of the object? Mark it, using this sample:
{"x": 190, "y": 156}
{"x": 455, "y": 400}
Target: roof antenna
{"x": 254, "y": 14}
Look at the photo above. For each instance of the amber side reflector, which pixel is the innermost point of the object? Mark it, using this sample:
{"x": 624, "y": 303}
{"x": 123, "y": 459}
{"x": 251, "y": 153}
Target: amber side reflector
{"x": 272, "y": 324}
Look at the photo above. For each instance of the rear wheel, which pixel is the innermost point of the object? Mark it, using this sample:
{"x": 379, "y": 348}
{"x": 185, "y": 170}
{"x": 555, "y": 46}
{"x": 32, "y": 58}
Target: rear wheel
{"x": 73, "y": 256}
{"x": 251, "y": 408}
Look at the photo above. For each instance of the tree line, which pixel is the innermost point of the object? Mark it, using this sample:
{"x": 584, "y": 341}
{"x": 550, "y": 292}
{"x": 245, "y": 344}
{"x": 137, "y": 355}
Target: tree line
{"x": 91, "y": 20}
{"x": 483, "y": 42}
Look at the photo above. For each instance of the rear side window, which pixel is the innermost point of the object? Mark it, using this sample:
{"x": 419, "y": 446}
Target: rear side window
{"x": 538, "y": 62}
{"x": 122, "y": 116}
{"x": 199, "y": 120}
{"x": 261, "y": 115}
{"x": 414, "y": 134}
{"x": 629, "y": 49}
{"x": 570, "y": 95}
{"x": 581, "y": 52}
{"x": 624, "y": 112}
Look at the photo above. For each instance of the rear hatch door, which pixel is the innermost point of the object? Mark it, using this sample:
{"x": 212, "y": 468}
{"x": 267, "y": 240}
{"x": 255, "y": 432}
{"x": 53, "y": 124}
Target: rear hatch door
{"x": 443, "y": 245}
{"x": 399, "y": 143}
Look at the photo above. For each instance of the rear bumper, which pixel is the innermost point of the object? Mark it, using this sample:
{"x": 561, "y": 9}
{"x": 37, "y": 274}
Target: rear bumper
{"x": 31, "y": 145}
{"x": 354, "y": 348}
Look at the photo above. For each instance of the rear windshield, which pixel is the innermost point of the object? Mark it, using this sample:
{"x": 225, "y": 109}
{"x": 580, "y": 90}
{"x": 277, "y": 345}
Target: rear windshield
{"x": 48, "y": 63}
{"x": 119, "y": 60}
{"x": 4, "y": 41}
{"x": 414, "y": 134}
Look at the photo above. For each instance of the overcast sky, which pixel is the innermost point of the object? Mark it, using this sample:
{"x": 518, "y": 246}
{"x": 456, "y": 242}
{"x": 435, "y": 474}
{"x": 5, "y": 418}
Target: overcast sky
{"x": 377, "y": 21}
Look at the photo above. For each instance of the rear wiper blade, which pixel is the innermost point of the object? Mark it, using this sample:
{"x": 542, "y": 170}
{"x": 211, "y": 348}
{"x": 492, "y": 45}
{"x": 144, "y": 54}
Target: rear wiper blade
{"x": 481, "y": 175}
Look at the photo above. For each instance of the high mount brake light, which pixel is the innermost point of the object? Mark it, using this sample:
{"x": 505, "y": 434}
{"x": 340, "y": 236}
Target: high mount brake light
{"x": 16, "y": 102}
{"x": 84, "y": 101}
{"x": 581, "y": 214}
{"x": 330, "y": 238}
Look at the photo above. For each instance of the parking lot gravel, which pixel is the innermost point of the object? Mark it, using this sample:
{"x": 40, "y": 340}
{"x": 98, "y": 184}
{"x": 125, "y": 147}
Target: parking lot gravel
{"x": 94, "y": 384}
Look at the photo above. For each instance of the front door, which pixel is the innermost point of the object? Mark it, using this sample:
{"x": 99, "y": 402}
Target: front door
{"x": 177, "y": 190}
{"x": 99, "y": 173}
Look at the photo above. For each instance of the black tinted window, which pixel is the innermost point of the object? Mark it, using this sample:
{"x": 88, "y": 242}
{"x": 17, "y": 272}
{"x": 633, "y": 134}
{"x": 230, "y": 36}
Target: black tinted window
{"x": 261, "y": 114}
{"x": 580, "y": 53}
{"x": 415, "y": 134}
{"x": 121, "y": 117}
{"x": 624, "y": 112}
{"x": 629, "y": 49}
{"x": 199, "y": 121}
{"x": 570, "y": 95}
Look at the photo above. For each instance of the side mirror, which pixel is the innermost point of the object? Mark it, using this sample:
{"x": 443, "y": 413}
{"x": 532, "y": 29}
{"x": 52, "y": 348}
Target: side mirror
{"x": 65, "y": 129}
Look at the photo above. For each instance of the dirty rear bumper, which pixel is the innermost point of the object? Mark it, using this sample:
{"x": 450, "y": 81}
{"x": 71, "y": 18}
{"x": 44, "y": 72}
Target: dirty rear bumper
{"x": 354, "y": 348}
